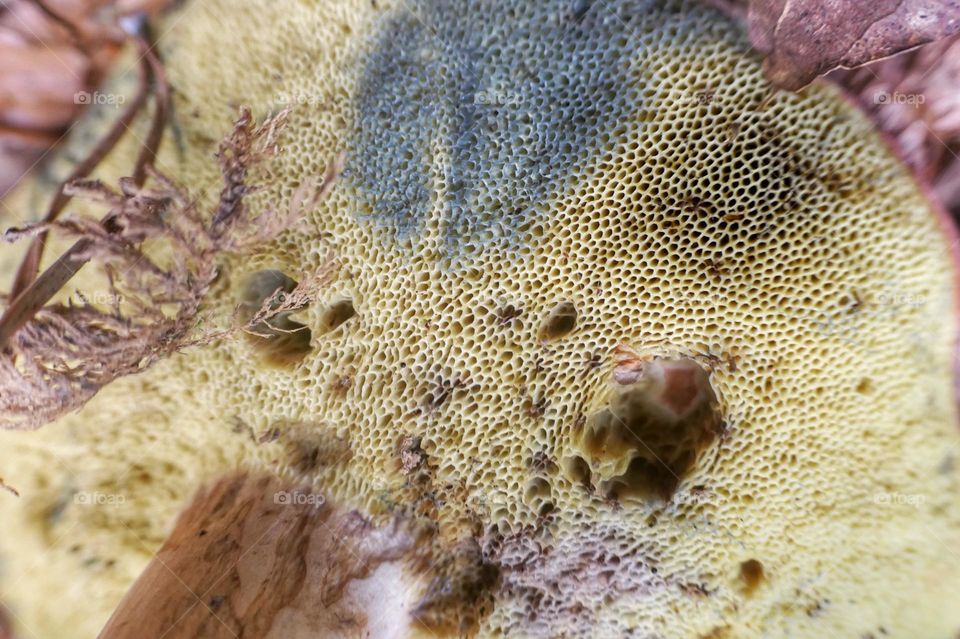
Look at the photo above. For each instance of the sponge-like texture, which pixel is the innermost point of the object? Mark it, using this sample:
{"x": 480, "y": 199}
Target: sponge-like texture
{"x": 531, "y": 188}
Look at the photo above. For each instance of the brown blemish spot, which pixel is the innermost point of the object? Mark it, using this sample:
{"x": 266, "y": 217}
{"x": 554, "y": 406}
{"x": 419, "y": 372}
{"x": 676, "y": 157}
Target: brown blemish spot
{"x": 716, "y": 268}
{"x": 6, "y": 627}
{"x": 694, "y": 590}
{"x": 419, "y": 495}
{"x": 559, "y": 322}
{"x": 337, "y": 314}
{"x": 460, "y": 593}
{"x": 268, "y": 436}
{"x": 411, "y": 455}
{"x": 816, "y": 608}
{"x": 309, "y": 449}
{"x": 442, "y": 391}
{"x": 541, "y": 462}
{"x": 10, "y": 489}
{"x": 853, "y": 302}
{"x": 594, "y": 360}
{"x": 644, "y": 437}
{"x": 538, "y": 365}
{"x": 341, "y": 384}
{"x": 507, "y": 313}
{"x": 280, "y": 340}
{"x": 537, "y": 408}
{"x": 751, "y": 572}
{"x": 696, "y": 207}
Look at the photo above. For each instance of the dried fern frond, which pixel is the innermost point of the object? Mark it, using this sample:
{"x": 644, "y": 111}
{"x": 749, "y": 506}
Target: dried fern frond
{"x": 58, "y": 359}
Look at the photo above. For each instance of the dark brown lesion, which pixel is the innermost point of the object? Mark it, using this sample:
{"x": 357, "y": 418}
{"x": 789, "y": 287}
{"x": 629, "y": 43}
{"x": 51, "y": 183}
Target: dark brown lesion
{"x": 507, "y": 313}
{"x": 460, "y": 593}
{"x": 441, "y": 391}
{"x": 280, "y": 339}
{"x": 309, "y": 448}
{"x": 337, "y": 314}
{"x": 656, "y": 419}
{"x": 752, "y": 574}
{"x": 558, "y": 322}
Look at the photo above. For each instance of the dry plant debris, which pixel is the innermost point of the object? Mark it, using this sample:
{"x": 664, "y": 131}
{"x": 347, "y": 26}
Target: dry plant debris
{"x": 61, "y": 356}
{"x": 807, "y": 38}
{"x": 10, "y": 489}
{"x": 898, "y": 59}
{"x": 913, "y": 97}
{"x": 55, "y": 54}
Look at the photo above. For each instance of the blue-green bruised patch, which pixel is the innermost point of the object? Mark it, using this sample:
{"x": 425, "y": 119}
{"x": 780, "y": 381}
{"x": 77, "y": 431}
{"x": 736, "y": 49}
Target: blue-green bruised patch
{"x": 487, "y": 124}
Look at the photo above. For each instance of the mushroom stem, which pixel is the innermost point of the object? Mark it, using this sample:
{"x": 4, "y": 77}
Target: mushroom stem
{"x": 254, "y": 556}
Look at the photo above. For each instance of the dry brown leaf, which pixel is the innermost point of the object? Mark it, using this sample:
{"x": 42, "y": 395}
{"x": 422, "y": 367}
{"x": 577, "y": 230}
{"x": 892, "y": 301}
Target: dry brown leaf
{"x": 52, "y": 51}
{"x": 807, "y": 38}
{"x": 913, "y": 98}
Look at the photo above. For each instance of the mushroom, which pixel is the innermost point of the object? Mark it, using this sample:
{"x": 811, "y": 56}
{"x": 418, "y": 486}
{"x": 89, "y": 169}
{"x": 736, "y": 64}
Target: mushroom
{"x": 739, "y": 423}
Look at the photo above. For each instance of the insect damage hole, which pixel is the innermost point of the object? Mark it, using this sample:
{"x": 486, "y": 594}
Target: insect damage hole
{"x": 649, "y": 429}
{"x": 751, "y": 574}
{"x": 337, "y": 314}
{"x": 559, "y": 322}
{"x": 281, "y": 340}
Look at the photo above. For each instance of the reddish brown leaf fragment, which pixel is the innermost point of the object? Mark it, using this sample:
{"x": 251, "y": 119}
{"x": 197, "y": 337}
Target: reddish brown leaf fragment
{"x": 807, "y": 38}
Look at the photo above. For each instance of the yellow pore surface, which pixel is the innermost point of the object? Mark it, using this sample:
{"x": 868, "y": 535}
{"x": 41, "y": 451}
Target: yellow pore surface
{"x": 620, "y": 164}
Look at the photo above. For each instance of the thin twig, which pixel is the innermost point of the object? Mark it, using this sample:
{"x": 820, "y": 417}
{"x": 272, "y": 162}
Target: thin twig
{"x": 31, "y": 261}
{"x": 10, "y": 489}
{"x": 31, "y": 292}
{"x": 148, "y": 152}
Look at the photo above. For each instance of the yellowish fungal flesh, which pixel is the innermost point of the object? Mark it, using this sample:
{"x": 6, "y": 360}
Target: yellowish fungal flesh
{"x": 528, "y": 188}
